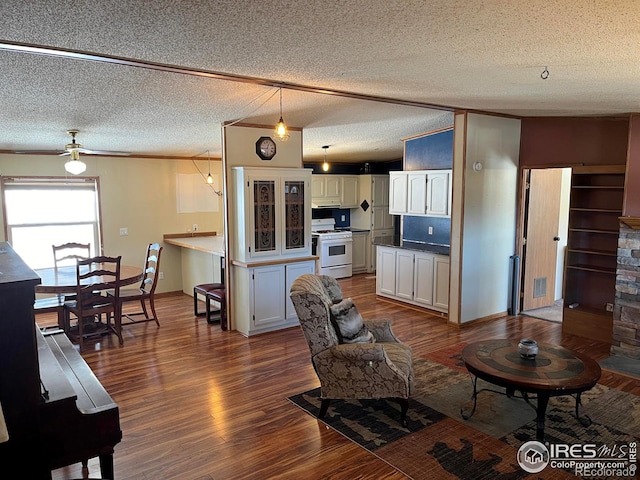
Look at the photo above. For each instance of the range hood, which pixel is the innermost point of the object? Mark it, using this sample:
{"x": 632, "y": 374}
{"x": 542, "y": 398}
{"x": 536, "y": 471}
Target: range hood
{"x": 325, "y": 203}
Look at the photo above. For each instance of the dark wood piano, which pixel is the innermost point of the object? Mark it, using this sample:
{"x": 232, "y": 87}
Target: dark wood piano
{"x": 56, "y": 411}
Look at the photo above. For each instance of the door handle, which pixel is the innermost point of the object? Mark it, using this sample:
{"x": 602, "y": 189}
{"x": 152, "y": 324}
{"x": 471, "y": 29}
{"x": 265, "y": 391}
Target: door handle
{"x": 556, "y": 239}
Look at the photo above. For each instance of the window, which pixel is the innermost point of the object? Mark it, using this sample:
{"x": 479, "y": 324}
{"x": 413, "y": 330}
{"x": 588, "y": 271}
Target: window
{"x": 40, "y": 212}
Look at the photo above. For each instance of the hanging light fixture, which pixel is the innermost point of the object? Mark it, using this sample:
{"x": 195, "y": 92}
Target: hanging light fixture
{"x": 209, "y": 177}
{"x": 325, "y": 165}
{"x": 75, "y": 166}
{"x": 281, "y": 131}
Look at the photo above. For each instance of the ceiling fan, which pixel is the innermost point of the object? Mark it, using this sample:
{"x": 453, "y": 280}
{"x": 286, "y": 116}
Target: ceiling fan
{"x": 74, "y": 146}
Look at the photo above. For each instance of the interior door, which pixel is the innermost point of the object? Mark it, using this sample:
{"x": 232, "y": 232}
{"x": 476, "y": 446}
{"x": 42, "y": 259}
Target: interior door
{"x": 541, "y": 232}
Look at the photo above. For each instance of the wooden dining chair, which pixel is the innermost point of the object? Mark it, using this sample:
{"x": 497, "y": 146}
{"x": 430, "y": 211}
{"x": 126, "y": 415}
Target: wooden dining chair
{"x": 145, "y": 292}
{"x": 65, "y": 254}
{"x": 69, "y": 253}
{"x": 95, "y": 277}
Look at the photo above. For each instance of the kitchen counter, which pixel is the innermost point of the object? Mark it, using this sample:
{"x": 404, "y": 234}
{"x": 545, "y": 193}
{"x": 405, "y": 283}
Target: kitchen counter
{"x": 213, "y": 244}
{"x": 202, "y": 258}
{"x": 408, "y": 245}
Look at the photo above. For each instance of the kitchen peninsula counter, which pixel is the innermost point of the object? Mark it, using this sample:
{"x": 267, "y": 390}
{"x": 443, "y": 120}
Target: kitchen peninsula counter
{"x": 202, "y": 258}
{"x": 213, "y": 244}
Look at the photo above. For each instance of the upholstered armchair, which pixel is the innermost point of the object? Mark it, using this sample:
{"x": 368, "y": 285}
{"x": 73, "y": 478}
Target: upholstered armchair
{"x": 362, "y": 370}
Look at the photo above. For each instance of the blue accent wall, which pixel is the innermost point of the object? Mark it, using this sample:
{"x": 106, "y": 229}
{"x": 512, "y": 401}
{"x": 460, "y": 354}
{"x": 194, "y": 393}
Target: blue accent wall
{"x": 335, "y": 213}
{"x": 417, "y": 229}
{"x": 431, "y": 152}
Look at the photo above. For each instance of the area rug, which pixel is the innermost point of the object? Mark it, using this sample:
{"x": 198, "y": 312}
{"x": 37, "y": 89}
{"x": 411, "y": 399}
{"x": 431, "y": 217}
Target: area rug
{"x": 622, "y": 364}
{"x": 439, "y": 443}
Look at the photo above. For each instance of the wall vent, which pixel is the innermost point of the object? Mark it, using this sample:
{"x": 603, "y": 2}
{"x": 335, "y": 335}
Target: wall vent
{"x": 539, "y": 287}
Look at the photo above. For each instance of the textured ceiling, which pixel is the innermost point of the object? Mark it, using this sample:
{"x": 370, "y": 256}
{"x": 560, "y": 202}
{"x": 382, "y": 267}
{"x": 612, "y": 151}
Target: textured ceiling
{"x": 480, "y": 54}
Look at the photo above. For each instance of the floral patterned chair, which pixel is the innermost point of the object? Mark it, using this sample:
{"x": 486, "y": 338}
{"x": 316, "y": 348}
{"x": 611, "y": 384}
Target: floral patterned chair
{"x": 381, "y": 367}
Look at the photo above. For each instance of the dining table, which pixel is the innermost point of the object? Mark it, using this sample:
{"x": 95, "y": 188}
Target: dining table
{"x": 62, "y": 280}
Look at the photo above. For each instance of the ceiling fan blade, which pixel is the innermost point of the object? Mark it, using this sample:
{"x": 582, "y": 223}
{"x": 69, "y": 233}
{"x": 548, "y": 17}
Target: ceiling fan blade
{"x": 37, "y": 152}
{"x": 104, "y": 152}
{"x": 64, "y": 154}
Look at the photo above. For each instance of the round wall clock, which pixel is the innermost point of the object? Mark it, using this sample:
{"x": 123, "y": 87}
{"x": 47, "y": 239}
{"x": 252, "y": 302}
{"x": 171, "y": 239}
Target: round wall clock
{"x": 265, "y": 148}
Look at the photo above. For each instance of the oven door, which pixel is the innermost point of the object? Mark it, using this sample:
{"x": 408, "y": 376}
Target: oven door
{"x": 335, "y": 252}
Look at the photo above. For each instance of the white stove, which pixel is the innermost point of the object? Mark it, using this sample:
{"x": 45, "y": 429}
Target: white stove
{"x": 333, "y": 247}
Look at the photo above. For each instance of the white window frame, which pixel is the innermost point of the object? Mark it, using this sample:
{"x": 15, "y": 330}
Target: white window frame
{"x": 65, "y": 183}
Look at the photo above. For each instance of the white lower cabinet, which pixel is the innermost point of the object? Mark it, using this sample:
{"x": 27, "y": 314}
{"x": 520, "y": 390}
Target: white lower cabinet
{"x": 291, "y": 272}
{"x": 360, "y": 247}
{"x": 268, "y": 306}
{"x": 419, "y": 278}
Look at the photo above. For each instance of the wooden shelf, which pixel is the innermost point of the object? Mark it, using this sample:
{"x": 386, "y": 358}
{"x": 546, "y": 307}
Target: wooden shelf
{"x": 590, "y": 268}
{"x": 596, "y": 210}
{"x": 594, "y": 230}
{"x": 606, "y": 253}
{"x": 596, "y": 202}
{"x": 601, "y": 187}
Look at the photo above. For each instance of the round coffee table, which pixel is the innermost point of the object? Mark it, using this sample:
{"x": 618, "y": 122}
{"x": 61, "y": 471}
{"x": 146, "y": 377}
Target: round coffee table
{"x": 554, "y": 371}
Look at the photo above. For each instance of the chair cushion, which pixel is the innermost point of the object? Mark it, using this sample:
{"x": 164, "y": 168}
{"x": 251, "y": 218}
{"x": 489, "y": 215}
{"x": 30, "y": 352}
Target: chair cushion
{"x": 349, "y": 323}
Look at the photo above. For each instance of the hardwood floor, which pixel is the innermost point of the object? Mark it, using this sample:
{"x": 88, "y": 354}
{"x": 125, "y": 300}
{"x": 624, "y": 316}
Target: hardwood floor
{"x": 199, "y": 403}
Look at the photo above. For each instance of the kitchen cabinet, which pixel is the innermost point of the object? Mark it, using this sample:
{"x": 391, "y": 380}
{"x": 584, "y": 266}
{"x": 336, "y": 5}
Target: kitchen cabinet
{"x": 379, "y": 189}
{"x": 326, "y": 190}
{"x": 374, "y": 190}
{"x": 291, "y": 272}
{"x": 349, "y": 193}
{"x": 398, "y": 193}
{"x": 438, "y": 194}
{"x": 419, "y": 278}
{"x": 359, "y": 251}
{"x": 268, "y": 306}
{"x": 420, "y": 193}
{"x": 595, "y": 206}
{"x": 386, "y": 271}
{"x": 273, "y": 211}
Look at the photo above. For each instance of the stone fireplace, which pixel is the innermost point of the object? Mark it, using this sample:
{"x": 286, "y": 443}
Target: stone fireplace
{"x": 626, "y": 312}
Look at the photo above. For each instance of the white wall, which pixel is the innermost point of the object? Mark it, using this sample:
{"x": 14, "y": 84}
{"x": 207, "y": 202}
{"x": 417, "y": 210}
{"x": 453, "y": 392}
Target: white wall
{"x": 486, "y": 215}
{"x": 137, "y": 193}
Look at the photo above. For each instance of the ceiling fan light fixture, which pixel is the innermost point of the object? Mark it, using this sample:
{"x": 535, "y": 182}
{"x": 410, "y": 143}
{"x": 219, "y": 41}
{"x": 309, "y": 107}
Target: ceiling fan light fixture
{"x": 75, "y": 166}
{"x": 281, "y": 131}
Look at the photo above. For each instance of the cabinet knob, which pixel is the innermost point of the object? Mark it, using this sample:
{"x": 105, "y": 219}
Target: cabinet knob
{"x": 556, "y": 239}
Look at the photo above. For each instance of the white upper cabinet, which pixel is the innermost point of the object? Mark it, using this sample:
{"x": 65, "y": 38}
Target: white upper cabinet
{"x": 380, "y": 191}
{"x": 273, "y": 213}
{"x": 439, "y": 194}
{"x": 349, "y": 191}
{"x": 326, "y": 190}
{"x": 420, "y": 193}
{"x": 397, "y": 193}
{"x": 416, "y": 193}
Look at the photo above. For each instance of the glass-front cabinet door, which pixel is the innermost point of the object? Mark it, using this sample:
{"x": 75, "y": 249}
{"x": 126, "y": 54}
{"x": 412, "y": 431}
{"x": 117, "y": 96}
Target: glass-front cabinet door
{"x": 294, "y": 215}
{"x": 273, "y": 213}
{"x": 264, "y": 216}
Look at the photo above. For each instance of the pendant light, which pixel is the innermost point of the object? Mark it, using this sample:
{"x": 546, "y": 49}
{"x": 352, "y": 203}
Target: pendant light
{"x": 75, "y": 166}
{"x": 209, "y": 177}
{"x": 325, "y": 165}
{"x": 281, "y": 131}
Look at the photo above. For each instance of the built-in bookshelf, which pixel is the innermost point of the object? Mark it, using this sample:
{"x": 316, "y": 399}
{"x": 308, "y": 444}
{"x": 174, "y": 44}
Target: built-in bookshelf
{"x": 597, "y": 194}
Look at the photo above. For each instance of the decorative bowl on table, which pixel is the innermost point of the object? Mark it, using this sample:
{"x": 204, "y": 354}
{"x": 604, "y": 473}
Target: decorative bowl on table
{"x": 528, "y": 348}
